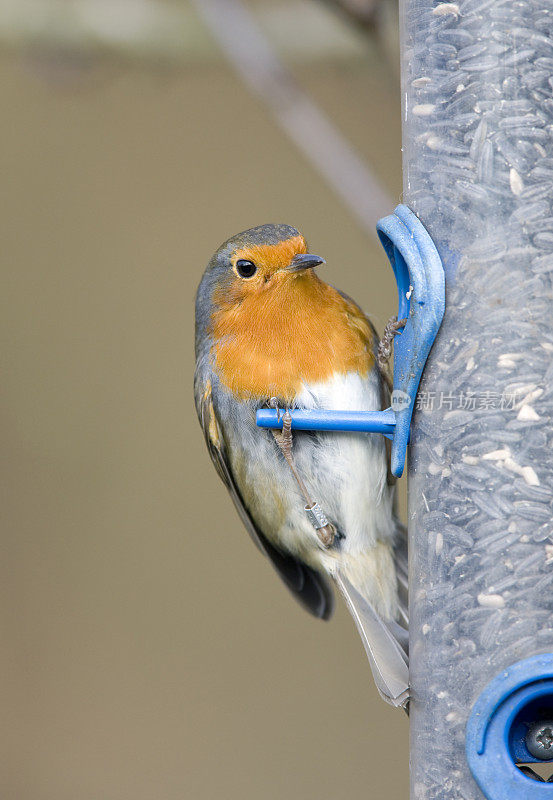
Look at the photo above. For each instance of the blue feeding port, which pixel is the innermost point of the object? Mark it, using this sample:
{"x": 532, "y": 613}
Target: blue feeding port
{"x": 421, "y": 292}
{"x": 511, "y": 728}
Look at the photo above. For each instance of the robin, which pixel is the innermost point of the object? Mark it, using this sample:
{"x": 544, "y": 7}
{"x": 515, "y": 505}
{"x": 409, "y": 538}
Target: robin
{"x": 320, "y": 506}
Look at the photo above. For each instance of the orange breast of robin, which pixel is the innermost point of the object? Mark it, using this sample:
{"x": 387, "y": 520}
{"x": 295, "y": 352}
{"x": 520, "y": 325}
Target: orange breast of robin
{"x": 294, "y": 330}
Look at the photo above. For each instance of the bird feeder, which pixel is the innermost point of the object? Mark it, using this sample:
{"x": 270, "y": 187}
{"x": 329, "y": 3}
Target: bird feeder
{"x": 477, "y": 79}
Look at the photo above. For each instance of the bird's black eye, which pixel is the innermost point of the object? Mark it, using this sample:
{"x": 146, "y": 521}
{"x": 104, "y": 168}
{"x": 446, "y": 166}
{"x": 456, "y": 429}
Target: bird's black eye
{"x": 245, "y": 268}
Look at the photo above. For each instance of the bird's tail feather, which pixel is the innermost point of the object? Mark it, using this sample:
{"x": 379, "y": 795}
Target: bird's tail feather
{"x": 381, "y": 639}
{"x": 386, "y": 642}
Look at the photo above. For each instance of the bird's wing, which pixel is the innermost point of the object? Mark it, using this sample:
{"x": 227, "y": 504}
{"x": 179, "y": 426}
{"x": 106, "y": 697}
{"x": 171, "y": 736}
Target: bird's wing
{"x": 310, "y": 588}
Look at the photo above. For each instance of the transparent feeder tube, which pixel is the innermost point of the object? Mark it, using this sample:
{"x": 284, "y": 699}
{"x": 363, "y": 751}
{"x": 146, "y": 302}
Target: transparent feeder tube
{"x": 477, "y": 78}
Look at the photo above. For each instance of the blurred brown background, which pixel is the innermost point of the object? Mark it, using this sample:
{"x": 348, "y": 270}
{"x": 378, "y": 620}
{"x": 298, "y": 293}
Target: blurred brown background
{"x": 148, "y": 651}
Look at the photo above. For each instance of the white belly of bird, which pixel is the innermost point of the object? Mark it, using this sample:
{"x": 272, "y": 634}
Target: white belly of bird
{"x": 346, "y": 474}
{"x": 348, "y": 470}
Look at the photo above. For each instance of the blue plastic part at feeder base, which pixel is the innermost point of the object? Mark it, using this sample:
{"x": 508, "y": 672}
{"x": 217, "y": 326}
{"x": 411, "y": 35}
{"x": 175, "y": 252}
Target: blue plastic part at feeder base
{"x": 420, "y": 281}
{"x": 497, "y": 726}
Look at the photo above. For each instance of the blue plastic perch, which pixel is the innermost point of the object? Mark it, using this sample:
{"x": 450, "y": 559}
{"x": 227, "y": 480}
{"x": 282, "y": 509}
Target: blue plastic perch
{"x": 315, "y": 420}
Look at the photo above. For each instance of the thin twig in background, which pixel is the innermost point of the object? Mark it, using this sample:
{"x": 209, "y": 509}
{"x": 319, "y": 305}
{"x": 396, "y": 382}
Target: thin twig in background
{"x": 300, "y": 118}
{"x": 377, "y": 20}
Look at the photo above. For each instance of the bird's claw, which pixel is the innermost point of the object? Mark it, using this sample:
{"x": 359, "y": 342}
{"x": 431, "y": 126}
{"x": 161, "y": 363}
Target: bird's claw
{"x": 272, "y": 402}
{"x": 327, "y": 535}
{"x": 393, "y": 327}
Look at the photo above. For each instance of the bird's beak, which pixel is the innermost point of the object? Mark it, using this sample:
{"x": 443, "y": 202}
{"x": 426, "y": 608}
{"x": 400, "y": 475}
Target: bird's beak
{"x": 304, "y": 261}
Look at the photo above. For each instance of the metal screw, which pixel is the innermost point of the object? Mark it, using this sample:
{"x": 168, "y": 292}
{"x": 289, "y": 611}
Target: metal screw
{"x": 539, "y": 740}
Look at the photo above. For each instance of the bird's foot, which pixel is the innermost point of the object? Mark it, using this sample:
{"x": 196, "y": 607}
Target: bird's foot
{"x": 327, "y": 535}
{"x": 272, "y": 402}
{"x": 326, "y": 531}
{"x": 393, "y": 327}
